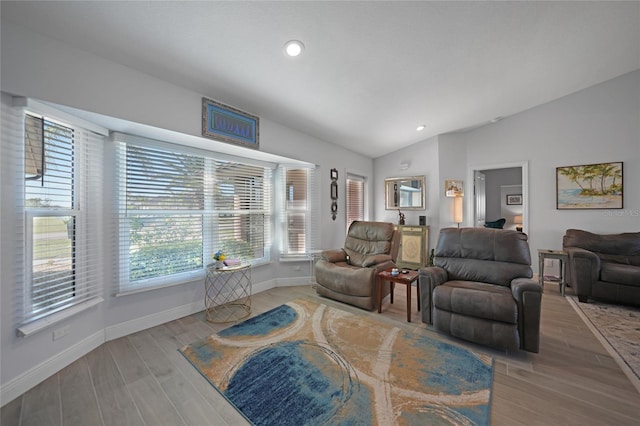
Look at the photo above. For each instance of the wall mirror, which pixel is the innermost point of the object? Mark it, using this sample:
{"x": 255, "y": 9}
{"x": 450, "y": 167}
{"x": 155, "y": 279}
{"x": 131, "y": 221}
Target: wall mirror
{"x": 405, "y": 193}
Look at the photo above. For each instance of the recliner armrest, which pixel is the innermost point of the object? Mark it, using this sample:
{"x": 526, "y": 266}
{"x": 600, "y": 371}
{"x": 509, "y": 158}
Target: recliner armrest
{"x": 433, "y": 276}
{"x": 580, "y": 253}
{"x": 521, "y": 285}
{"x": 584, "y": 270}
{"x": 334, "y": 255}
{"x": 528, "y": 296}
{"x": 428, "y": 279}
{"x": 375, "y": 259}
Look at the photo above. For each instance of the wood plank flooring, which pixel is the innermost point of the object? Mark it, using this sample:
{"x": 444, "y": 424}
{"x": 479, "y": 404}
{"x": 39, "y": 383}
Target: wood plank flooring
{"x": 142, "y": 379}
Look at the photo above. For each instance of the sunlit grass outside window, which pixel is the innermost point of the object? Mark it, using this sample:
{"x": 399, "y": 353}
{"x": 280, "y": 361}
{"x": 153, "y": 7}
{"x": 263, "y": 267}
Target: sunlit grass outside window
{"x": 53, "y": 281}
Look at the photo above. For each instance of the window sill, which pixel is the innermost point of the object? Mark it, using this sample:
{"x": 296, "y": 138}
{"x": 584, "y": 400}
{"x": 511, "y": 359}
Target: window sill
{"x": 161, "y": 283}
{"x": 38, "y": 325}
{"x": 296, "y": 258}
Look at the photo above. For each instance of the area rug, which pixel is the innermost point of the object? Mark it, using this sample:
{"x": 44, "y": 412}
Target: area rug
{"x": 308, "y": 363}
{"x": 618, "y": 329}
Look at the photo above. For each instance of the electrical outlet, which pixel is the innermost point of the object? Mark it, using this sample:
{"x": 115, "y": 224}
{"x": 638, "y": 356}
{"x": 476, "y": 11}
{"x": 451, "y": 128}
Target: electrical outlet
{"x": 296, "y": 268}
{"x": 61, "y": 332}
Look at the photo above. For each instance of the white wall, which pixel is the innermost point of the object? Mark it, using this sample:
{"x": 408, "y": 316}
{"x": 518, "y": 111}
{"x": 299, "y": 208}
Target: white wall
{"x": 598, "y": 124}
{"x": 452, "y": 162}
{"x": 44, "y": 69}
{"x": 438, "y": 159}
{"x": 423, "y": 160}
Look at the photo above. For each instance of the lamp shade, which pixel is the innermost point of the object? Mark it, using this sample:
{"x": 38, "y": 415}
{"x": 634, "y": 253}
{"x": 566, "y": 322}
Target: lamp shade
{"x": 457, "y": 210}
{"x": 517, "y": 219}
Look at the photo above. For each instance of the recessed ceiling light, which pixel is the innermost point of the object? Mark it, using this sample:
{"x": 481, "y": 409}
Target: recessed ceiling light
{"x": 420, "y": 127}
{"x": 293, "y": 48}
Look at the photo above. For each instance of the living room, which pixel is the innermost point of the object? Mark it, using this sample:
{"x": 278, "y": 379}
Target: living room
{"x": 585, "y": 125}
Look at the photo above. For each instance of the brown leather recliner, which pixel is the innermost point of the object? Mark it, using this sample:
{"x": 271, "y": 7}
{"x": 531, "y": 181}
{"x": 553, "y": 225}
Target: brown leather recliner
{"x": 349, "y": 274}
{"x": 605, "y": 267}
{"x": 481, "y": 290}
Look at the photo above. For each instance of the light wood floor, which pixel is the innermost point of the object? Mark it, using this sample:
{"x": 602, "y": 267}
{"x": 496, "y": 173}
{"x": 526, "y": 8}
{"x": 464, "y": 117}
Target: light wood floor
{"x": 142, "y": 379}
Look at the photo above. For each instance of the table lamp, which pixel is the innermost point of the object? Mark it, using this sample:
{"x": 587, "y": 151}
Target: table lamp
{"x": 517, "y": 220}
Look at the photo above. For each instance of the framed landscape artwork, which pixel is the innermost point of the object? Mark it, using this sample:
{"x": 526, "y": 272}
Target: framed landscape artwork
{"x": 590, "y": 186}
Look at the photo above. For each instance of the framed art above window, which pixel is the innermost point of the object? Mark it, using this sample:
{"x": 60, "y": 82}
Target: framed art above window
{"x": 227, "y": 124}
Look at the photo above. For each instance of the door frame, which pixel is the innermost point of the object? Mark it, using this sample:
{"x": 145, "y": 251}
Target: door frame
{"x": 524, "y": 166}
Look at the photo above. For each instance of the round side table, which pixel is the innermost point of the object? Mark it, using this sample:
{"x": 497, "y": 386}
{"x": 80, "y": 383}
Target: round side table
{"x": 227, "y": 293}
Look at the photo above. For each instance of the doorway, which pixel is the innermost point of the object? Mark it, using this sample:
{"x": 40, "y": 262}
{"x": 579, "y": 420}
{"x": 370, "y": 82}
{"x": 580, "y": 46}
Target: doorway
{"x": 477, "y": 209}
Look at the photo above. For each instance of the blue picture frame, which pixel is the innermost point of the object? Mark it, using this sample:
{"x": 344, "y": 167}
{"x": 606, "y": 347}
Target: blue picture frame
{"x": 227, "y": 124}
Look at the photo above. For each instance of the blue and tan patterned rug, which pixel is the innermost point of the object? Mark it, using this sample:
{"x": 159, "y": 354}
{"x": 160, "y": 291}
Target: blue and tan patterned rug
{"x": 308, "y": 363}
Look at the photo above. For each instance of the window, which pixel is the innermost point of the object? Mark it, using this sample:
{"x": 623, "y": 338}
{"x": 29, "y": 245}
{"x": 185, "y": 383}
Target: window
{"x": 163, "y": 213}
{"x": 178, "y": 205}
{"x": 297, "y": 207}
{"x": 355, "y": 198}
{"x": 242, "y": 210}
{"x": 62, "y": 169}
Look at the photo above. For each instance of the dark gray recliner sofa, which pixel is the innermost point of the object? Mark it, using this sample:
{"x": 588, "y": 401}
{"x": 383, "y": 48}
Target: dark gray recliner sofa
{"x": 371, "y": 247}
{"x": 605, "y": 267}
{"x": 481, "y": 290}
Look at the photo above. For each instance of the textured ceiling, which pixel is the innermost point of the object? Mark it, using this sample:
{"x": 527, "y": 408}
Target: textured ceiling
{"x": 371, "y": 71}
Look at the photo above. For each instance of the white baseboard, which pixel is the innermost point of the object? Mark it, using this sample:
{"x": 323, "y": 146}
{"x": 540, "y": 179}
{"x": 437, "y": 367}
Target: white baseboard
{"x": 44, "y": 370}
{"x": 19, "y": 385}
{"x": 138, "y": 324}
{"x": 290, "y": 282}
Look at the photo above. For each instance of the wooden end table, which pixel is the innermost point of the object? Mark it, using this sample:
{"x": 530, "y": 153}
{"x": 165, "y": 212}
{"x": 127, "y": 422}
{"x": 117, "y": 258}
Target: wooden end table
{"x": 562, "y": 256}
{"x": 406, "y": 279}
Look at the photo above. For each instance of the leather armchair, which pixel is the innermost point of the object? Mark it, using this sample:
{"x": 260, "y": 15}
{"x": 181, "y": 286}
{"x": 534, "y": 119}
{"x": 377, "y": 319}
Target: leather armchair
{"x": 349, "y": 274}
{"x": 605, "y": 267}
{"x": 481, "y": 290}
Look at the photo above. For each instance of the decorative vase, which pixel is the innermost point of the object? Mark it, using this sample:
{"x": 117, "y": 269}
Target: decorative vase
{"x": 219, "y": 264}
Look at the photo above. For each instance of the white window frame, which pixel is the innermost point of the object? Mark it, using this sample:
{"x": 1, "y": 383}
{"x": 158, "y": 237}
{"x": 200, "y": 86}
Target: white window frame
{"x": 364, "y": 180}
{"x": 309, "y": 211}
{"x": 87, "y": 290}
{"x": 208, "y": 214}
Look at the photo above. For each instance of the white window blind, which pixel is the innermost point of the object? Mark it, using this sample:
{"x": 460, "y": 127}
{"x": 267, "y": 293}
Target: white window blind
{"x": 298, "y": 206}
{"x": 162, "y": 213}
{"x": 62, "y": 207}
{"x": 179, "y": 205}
{"x": 242, "y": 210}
{"x": 355, "y": 199}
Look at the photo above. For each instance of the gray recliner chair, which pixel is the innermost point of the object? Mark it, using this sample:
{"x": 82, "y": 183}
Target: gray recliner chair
{"x": 349, "y": 274}
{"x": 481, "y": 290}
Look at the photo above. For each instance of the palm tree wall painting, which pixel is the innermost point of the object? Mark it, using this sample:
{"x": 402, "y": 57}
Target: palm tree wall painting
{"x": 591, "y": 186}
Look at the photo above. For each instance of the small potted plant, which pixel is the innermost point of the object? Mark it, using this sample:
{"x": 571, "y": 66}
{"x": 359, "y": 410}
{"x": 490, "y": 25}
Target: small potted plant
{"x": 219, "y": 258}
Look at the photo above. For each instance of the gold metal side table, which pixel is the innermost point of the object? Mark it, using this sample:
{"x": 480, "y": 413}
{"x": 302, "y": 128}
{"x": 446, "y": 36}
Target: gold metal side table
{"x": 227, "y": 293}
{"x": 562, "y": 256}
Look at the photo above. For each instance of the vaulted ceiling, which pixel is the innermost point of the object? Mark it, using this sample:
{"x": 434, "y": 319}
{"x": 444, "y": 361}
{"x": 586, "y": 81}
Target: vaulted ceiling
{"x": 371, "y": 72}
